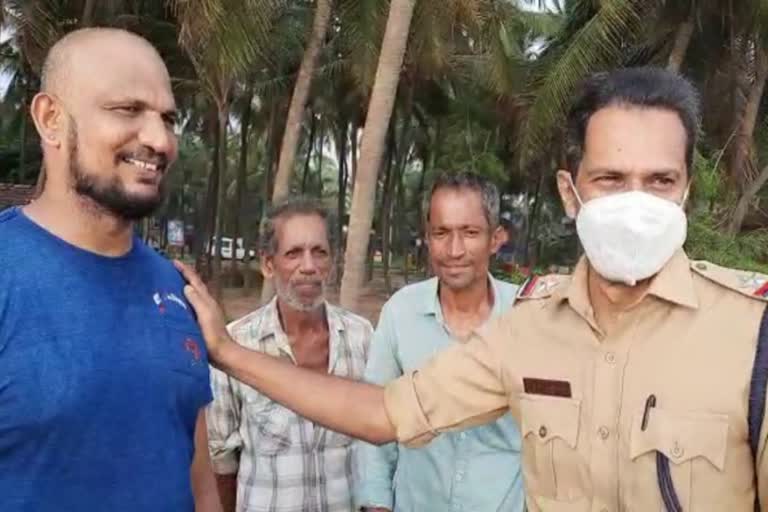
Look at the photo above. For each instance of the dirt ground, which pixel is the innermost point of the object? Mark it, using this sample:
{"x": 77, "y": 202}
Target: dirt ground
{"x": 374, "y": 295}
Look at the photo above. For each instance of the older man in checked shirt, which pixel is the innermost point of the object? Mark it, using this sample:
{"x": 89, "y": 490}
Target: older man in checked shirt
{"x": 266, "y": 457}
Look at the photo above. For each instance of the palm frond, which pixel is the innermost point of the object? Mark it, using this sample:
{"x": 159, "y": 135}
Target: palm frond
{"x": 601, "y": 43}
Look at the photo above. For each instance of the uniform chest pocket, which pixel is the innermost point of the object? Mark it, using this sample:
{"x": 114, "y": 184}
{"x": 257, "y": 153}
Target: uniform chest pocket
{"x": 695, "y": 444}
{"x": 272, "y": 424}
{"x": 550, "y": 428}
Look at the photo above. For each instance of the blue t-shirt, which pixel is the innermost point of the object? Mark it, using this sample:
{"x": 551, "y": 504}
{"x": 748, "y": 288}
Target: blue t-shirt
{"x": 103, "y": 371}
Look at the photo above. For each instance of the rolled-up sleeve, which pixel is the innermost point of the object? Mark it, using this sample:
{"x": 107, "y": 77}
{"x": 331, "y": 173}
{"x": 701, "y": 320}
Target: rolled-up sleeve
{"x": 223, "y": 418}
{"x": 460, "y": 388}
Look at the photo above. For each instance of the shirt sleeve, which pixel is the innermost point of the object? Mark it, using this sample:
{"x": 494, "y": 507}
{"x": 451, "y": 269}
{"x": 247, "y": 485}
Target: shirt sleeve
{"x": 459, "y": 388}
{"x": 376, "y": 464}
{"x": 223, "y": 418}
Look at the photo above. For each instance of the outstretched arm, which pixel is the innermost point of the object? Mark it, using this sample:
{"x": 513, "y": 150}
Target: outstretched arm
{"x": 353, "y": 408}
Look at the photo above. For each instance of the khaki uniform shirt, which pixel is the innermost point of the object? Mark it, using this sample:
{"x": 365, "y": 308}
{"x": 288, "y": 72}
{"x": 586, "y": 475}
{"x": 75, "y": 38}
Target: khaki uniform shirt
{"x": 579, "y": 395}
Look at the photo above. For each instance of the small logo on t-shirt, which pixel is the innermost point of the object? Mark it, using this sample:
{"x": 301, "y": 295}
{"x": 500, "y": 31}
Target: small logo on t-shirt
{"x": 193, "y": 348}
{"x": 162, "y": 298}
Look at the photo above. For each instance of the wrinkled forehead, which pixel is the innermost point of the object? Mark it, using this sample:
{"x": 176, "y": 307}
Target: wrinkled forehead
{"x": 301, "y": 230}
{"x": 117, "y": 72}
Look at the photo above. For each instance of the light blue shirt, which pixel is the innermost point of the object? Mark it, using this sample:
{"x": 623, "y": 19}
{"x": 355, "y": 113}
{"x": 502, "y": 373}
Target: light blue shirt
{"x": 477, "y": 470}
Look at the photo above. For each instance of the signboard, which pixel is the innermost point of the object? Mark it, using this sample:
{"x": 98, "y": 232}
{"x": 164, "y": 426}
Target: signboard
{"x": 176, "y": 233}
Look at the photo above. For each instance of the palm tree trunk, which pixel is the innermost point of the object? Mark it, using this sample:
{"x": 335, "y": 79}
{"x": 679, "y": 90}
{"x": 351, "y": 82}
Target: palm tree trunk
{"x": 431, "y": 154}
{"x": 379, "y": 202}
{"x": 211, "y": 205}
{"x": 216, "y": 281}
{"x": 320, "y": 155}
{"x": 386, "y": 213}
{"x": 293, "y": 125}
{"x": 267, "y": 288}
{"x": 532, "y": 219}
{"x": 308, "y": 160}
{"x": 402, "y": 225}
{"x": 353, "y": 153}
{"x": 242, "y": 172}
{"x": 682, "y": 42}
{"x": 429, "y": 161}
{"x": 374, "y": 137}
{"x": 739, "y": 167}
{"x": 87, "y": 18}
{"x": 742, "y": 206}
{"x": 342, "y": 193}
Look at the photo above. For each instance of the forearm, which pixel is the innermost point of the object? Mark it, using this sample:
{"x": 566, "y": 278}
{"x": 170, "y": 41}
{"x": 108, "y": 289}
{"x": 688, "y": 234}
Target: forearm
{"x": 204, "y": 488}
{"x": 203, "y": 483}
{"x": 227, "y": 485}
{"x": 353, "y": 408}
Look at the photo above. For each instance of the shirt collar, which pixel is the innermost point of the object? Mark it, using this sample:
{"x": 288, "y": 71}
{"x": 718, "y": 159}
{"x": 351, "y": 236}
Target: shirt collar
{"x": 432, "y": 307}
{"x": 270, "y": 325}
{"x": 674, "y": 283}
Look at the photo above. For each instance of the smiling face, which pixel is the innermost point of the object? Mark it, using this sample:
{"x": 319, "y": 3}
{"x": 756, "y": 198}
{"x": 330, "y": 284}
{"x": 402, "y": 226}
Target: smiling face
{"x": 110, "y": 121}
{"x": 460, "y": 237}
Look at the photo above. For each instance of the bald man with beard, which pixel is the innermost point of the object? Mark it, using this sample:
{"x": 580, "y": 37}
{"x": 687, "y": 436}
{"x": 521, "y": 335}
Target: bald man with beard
{"x": 103, "y": 371}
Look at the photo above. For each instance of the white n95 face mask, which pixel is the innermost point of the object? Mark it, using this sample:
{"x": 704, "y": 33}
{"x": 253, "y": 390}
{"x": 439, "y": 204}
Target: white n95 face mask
{"x": 630, "y": 236}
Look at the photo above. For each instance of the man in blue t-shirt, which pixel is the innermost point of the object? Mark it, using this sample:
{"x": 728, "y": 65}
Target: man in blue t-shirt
{"x": 103, "y": 371}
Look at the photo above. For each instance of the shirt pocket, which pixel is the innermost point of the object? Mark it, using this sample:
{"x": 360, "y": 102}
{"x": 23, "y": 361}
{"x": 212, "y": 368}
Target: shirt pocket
{"x": 271, "y": 424}
{"x": 695, "y": 444}
{"x": 552, "y": 468}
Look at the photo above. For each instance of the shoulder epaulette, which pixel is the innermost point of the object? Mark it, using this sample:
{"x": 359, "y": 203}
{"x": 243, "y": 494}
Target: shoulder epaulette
{"x": 541, "y": 287}
{"x": 750, "y": 284}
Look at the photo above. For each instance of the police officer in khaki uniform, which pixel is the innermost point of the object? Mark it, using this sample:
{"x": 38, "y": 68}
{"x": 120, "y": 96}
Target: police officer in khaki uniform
{"x": 630, "y": 379}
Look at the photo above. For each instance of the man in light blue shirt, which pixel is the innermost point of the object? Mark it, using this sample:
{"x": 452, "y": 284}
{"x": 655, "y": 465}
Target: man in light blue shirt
{"x": 477, "y": 470}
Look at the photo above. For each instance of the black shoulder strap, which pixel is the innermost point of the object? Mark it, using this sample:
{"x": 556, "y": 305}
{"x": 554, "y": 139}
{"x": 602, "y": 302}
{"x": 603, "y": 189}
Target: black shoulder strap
{"x": 757, "y": 392}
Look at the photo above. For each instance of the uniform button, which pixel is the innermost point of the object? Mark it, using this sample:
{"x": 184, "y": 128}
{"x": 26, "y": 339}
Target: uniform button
{"x": 459, "y": 476}
{"x": 610, "y": 357}
{"x": 677, "y": 451}
{"x": 542, "y": 431}
{"x": 603, "y": 432}
{"x": 463, "y": 435}
{"x": 701, "y": 266}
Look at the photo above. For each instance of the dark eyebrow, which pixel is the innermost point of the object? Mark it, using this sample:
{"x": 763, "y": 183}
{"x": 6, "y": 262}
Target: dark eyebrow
{"x": 171, "y": 116}
{"x": 665, "y": 172}
{"x": 650, "y": 172}
{"x": 606, "y": 170}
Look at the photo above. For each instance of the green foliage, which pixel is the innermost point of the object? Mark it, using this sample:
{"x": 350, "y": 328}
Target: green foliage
{"x": 513, "y": 275}
{"x": 747, "y": 251}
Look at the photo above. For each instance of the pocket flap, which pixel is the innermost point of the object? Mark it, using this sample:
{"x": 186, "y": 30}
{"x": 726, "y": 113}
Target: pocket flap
{"x": 548, "y": 417}
{"x": 681, "y": 436}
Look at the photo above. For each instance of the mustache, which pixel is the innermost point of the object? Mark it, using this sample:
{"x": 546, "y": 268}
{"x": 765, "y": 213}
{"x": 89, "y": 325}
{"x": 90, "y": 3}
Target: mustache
{"x": 299, "y": 282}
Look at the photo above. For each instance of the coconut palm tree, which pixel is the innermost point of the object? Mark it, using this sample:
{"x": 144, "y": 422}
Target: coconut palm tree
{"x": 299, "y": 99}
{"x": 372, "y": 148}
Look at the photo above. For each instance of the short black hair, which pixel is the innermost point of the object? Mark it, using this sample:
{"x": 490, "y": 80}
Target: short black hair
{"x": 471, "y": 181}
{"x": 644, "y": 87}
{"x": 288, "y": 207}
